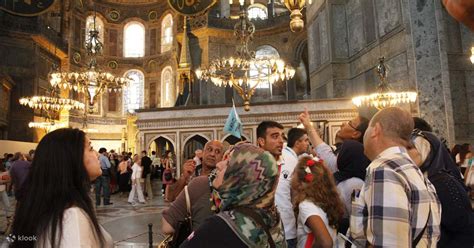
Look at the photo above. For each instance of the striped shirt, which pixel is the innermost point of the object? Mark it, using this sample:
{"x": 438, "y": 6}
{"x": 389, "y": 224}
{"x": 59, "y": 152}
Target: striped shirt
{"x": 395, "y": 204}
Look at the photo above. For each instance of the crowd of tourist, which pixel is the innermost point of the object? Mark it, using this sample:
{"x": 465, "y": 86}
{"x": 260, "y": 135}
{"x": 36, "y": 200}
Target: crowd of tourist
{"x": 387, "y": 182}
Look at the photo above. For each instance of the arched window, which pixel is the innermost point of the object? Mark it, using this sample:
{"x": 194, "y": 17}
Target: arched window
{"x": 267, "y": 52}
{"x": 257, "y": 11}
{"x": 167, "y": 87}
{"x": 134, "y": 40}
{"x": 166, "y": 33}
{"x": 133, "y": 94}
{"x": 99, "y": 26}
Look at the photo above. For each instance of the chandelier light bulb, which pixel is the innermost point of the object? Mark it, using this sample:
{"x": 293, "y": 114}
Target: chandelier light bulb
{"x": 472, "y": 55}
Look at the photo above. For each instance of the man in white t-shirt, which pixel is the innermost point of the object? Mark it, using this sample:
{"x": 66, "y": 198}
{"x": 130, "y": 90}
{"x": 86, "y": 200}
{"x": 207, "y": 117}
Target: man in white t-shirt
{"x": 298, "y": 143}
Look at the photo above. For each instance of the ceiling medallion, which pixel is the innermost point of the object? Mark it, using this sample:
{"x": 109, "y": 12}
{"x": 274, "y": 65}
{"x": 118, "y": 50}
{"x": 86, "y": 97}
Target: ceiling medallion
{"x": 114, "y": 15}
{"x": 76, "y": 57}
{"x": 152, "y": 15}
{"x": 112, "y": 64}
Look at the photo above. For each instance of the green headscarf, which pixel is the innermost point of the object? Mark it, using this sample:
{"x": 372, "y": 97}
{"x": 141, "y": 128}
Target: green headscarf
{"x": 250, "y": 182}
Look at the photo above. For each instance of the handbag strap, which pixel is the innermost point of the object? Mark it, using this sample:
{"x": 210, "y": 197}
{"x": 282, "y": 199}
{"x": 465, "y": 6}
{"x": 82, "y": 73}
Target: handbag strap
{"x": 188, "y": 204}
{"x": 257, "y": 218}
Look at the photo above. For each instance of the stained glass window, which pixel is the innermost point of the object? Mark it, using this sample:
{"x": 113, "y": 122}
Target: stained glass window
{"x": 167, "y": 95}
{"x": 134, "y": 92}
{"x": 166, "y": 33}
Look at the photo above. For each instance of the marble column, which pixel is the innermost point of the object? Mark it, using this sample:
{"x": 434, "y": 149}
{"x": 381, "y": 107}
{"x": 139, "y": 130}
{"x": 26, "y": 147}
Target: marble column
{"x": 428, "y": 65}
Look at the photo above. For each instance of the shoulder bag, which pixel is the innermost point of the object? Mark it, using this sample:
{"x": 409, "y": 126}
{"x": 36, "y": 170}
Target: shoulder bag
{"x": 183, "y": 230}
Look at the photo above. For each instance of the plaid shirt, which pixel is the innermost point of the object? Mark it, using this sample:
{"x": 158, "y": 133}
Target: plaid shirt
{"x": 394, "y": 204}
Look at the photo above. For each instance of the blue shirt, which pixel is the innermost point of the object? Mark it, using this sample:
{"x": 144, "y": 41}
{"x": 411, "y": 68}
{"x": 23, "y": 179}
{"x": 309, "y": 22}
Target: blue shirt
{"x": 104, "y": 162}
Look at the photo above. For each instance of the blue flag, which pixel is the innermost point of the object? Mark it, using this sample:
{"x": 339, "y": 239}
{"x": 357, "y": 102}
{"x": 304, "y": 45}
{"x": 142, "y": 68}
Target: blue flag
{"x": 233, "y": 125}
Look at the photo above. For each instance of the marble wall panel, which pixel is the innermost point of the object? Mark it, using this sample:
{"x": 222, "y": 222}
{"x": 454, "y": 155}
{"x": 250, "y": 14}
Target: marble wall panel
{"x": 397, "y": 75}
{"x": 355, "y": 26}
{"x": 324, "y": 38}
{"x": 432, "y": 105}
{"x": 388, "y": 15}
{"x": 368, "y": 14}
{"x": 339, "y": 31}
{"x": 312, "y": 64}
{"x": 467, "y": 37}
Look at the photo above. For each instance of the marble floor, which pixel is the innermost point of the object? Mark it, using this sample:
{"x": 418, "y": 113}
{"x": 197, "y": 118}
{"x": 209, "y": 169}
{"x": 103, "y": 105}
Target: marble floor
{"x": 126, "y": 223}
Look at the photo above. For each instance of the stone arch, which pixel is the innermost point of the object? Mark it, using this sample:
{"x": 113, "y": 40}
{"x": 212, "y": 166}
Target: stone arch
{"x": 192, "y": 143}
{"x": 173, "y": 142}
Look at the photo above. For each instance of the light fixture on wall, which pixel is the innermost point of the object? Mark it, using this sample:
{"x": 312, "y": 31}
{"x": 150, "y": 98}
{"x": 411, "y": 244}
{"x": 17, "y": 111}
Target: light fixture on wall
{"x": 472, "y": 55}
{"x": 295, "y": 7}
{"x": 244, "y": 72}
{"x": 385, "y": 96}
{"x": 91, "y": 81}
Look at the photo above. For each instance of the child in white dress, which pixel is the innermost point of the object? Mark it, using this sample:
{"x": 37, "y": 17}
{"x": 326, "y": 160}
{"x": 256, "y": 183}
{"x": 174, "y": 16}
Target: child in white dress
{"x": 316, "y": 202}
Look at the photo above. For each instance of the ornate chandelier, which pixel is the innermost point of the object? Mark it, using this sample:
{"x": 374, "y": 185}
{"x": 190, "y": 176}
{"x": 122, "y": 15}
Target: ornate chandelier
{"x": 92, "y": 81}
{"x": 244, "y": 71}
{"x": 385, "y": 96}
{"x": 47, "y": 126}
{"x": 295, "y": 7}
{"x": 51, "y": 103}
{"x": 51, "y": 107}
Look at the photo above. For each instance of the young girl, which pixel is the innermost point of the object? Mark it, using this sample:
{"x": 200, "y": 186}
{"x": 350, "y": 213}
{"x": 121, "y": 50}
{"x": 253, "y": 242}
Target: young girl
{"x": 316, "y": 203}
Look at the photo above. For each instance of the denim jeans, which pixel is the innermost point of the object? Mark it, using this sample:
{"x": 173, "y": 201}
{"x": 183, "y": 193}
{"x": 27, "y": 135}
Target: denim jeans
{"x": 102, "y": 182}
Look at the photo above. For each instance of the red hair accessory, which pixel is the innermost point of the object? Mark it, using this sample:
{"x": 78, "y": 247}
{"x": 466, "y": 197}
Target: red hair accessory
{"x": 309, "y": 177}
{"x": 310, "y": 163}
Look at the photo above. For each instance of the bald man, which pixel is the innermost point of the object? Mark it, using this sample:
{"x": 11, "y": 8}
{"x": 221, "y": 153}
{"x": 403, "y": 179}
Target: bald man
{"x": 212, "y": 153}
{"x": 397, "y": 206}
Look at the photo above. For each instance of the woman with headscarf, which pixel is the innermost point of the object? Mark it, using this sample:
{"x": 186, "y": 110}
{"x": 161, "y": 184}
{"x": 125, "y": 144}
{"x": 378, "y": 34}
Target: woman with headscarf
{"x": 246, "y": 187}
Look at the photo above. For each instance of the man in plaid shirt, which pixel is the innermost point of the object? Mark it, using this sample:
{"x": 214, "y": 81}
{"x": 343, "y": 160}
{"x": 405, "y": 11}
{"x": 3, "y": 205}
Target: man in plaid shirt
{"x": 397, "y": 206}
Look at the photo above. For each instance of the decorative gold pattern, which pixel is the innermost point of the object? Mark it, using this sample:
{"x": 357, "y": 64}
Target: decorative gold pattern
{"x": 112, "y": 64}
{"x": 76, "y": 57}
{"x": 114, "y": 15}
{"x": 152, "y": 15}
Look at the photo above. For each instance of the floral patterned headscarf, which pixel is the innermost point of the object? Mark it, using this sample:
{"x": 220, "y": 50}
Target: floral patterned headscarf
{"x": 250, "y": 182}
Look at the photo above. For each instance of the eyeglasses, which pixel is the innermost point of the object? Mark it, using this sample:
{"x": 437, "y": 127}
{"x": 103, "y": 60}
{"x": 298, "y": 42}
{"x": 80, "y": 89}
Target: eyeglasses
{"x": 352, "y": 125}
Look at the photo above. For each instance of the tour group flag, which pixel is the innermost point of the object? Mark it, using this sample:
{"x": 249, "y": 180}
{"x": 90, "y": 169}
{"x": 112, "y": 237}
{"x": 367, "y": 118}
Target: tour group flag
{"x": 233, "y": 125}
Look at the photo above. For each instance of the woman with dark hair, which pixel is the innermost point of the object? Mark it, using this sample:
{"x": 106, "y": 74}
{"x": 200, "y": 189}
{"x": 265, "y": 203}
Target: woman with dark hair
{"x": 463, "y": 157}
{"x": 124, "y": 174}
{"x": 455, "y": 151}
{"x": 245, "y": 185}
{"x": 55, "y": 209}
